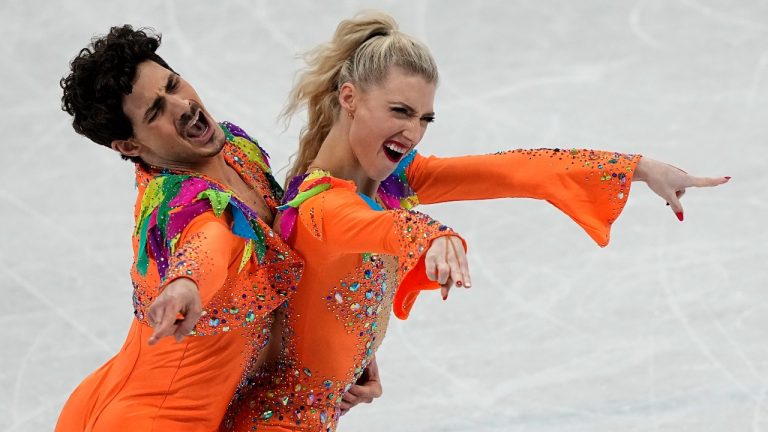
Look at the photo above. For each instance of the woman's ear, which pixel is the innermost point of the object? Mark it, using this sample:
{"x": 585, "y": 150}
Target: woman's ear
{"x": 348, "y": 95}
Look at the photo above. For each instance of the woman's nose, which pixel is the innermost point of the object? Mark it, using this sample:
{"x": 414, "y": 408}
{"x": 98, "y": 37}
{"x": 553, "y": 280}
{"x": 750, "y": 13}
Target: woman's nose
{"x": 413, "y": 131}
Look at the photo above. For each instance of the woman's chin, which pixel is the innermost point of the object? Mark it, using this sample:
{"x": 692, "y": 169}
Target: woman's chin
{"x": 383, "y": 175}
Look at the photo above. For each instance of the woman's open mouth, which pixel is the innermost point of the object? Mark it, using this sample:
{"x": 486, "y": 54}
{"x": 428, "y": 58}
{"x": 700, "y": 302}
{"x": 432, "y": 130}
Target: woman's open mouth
{"x": 395, "y": 150}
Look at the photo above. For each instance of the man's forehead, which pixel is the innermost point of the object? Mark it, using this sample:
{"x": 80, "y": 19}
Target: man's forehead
{"x": 150, "y": 79}
{"x": 150, "y": 76}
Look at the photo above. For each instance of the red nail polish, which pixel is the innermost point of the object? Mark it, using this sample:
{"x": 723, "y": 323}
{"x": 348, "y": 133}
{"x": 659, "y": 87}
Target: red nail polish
{"x": 458, "y": 283}
{"x": 727, "y": 177}
{"x": 445, "y": 298}
{"x": 679, "y": 216}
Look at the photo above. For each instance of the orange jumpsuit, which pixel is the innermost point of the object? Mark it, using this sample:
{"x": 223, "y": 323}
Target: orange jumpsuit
{"x": 362, "y": 262}
{"x": 190, "y": 226}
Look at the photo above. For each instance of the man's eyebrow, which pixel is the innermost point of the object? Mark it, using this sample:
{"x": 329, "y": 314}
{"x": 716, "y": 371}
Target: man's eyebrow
{"x": 170, "y": 81}
{"x": 159, "y": 103}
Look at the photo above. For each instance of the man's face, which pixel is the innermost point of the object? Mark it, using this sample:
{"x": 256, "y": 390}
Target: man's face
{"x": 171, "y": 128}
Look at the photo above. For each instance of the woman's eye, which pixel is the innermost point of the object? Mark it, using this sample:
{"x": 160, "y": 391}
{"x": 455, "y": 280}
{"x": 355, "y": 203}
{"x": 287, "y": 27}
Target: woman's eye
{"x": 428, "y": 119}
{"x": 400, "y": 110}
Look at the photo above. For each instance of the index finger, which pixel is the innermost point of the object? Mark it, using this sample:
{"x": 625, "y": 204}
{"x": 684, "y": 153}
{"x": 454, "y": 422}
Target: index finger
{"x": 349, "y": 397}
{"x": 166, "y": 326}
{"x": 365, "y": 391}
{"x": 445, "y": 288}
{"x": 707, "y": 181}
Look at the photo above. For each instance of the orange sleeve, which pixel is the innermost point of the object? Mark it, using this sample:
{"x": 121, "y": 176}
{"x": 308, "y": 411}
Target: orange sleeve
{"x": 343, "y": 221}
{"x": 203, "y": 254}
{"x": 589, "y": 186}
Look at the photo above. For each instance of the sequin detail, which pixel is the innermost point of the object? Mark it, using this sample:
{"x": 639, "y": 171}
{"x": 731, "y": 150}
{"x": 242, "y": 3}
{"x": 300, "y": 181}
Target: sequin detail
{"x": 613, "y": 170}
{"x": 171, "y": 201}
{"x": 268, "y": 270}
{"x": 343, "y": 312}
{"x": 394, "y": 193}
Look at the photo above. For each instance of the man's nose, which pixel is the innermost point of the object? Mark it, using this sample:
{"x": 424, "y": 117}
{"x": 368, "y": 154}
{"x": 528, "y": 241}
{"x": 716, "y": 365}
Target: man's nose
{"x": 177, "y": 105}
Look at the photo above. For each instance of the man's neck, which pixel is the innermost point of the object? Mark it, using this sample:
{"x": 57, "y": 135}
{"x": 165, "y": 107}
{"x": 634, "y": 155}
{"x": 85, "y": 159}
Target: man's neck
{"x": 216, "y": 167}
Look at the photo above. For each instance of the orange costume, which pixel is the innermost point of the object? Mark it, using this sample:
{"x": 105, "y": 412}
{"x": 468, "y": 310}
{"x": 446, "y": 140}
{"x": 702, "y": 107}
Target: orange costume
{"x": 365, "y": 258}
{"x": 189, "y": 226}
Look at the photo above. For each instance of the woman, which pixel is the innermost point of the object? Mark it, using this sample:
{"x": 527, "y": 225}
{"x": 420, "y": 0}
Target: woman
{"x": 369, "y": 94}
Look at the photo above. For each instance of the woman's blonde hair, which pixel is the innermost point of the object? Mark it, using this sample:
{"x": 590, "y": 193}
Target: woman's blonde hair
{"x": 361, "y": 52}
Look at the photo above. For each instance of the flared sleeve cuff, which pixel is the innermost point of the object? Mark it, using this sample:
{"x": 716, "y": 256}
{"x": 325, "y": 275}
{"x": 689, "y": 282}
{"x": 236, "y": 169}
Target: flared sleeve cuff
{"x": 595, "y": 198}
{"x": 417, "y": 231}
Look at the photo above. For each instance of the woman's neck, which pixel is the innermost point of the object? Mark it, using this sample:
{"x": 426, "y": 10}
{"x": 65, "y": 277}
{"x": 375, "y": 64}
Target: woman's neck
{"x": 336, "y": 156}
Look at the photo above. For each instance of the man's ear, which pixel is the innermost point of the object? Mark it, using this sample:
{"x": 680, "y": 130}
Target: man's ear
{"x": 126, "y": 147}
{"x": 348, "y": 94}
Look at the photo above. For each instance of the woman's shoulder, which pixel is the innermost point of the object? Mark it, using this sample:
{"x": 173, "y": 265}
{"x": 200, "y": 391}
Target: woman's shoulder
{"x": 311, "y": 195}
{"x": 301, "y": 189}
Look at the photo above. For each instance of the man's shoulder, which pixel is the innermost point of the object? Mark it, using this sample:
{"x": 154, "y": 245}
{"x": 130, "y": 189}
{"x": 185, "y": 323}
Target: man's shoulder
{"x": 243, "y": 141}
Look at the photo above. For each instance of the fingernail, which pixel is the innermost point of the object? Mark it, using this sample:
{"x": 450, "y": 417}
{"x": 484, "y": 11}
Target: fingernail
{"x": 679, "y": 216}
{"x": 667, "y": 203}
{"x": 458, "y": 283}
{"x": 445, "y": 297}
{"x": 468, "y": 285}
{"x": 727, "y": 177}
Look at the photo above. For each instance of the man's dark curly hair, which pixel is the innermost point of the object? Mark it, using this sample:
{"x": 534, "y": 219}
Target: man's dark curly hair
{"x": 101, "y": 75}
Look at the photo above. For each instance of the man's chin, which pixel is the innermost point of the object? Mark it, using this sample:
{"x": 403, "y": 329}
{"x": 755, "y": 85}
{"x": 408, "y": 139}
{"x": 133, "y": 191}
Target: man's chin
{"x": 214, "y": 146}
{"x": 218, "y": 141}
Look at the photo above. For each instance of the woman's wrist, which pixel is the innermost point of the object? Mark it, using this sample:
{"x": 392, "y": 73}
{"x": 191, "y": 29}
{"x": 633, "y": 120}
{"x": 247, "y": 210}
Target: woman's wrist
{"x": 641, "y": 170}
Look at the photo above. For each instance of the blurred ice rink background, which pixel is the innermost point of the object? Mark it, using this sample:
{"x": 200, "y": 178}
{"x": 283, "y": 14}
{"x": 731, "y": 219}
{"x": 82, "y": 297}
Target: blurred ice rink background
{"x": 664, "y": 330}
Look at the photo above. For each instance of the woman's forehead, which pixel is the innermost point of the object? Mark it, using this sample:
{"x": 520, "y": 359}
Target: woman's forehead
{"x": 407, "y": 87}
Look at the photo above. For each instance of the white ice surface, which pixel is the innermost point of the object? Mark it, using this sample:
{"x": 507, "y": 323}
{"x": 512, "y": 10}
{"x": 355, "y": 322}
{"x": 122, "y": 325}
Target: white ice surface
{"x": 664, "y": 330}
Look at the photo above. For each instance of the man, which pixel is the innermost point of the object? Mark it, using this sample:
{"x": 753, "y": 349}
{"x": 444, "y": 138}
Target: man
{"x": 203, "y": 246}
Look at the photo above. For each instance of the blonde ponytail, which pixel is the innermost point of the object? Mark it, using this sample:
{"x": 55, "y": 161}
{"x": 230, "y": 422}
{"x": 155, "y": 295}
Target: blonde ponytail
{"x": 361, "y": 52}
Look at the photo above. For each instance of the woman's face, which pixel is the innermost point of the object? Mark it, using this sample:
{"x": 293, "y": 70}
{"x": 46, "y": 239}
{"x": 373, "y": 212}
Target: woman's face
{"x": 390, "y": 118}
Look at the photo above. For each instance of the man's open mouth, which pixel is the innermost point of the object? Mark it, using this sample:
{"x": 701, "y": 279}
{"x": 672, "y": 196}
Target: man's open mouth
{"x": 395, "y": 150}
{"x": 198, "y": 129}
